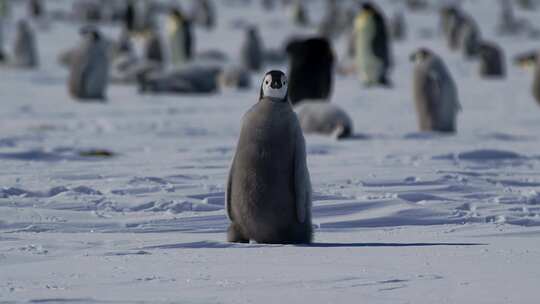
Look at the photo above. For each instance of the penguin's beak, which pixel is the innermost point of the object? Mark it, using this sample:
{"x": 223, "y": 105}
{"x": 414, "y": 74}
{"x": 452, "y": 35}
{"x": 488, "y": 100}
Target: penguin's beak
{"x": 275, "y": 85}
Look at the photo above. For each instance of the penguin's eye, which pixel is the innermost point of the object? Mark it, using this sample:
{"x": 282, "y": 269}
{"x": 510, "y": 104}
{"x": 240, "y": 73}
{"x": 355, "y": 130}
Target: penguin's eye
{"x": 267, "y": 82}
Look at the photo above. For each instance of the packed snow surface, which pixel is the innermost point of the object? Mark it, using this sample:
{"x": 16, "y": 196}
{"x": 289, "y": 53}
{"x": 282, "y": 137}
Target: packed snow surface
{"x": 401, "y": 216}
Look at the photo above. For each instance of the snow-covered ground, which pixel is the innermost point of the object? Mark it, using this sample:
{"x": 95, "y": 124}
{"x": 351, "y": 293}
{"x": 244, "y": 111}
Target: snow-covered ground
{"x": 402, "y": 217}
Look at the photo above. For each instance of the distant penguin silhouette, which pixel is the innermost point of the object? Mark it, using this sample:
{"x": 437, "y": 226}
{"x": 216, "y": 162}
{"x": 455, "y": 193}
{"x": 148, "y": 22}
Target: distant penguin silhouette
{"x": 324, "y": 118}
{"x": 492, "y": 61}
{"x": 36, "y": 8}
{"x": 153, "y": 50}
{"x": 25, "y": 53}
{"x": 507, "y": 20}
{"x": 334, "y": 20}
{"x": 124, "y": 45}
{"x": 470, "y": 38}
{"x": 371, "y": 46}
{"x": 180, "y": 37}
{"x": 268, "y": 197}
{"x": 3, "y": 56}
{"x": 89, "y": 73}
{"x": 445, "y": 18}
{"x": 536, "y": 81}
{"x": 311, "y": 65}
{"x": 299, "y": 13}
{"x": 435, "y": 93}
{"x": 130, "y": 19}
{"x": 204, "y": 14}
{"x": 398, "y": 27}
{"x": 452, "y": 25}
{"x": 252, "y": 50}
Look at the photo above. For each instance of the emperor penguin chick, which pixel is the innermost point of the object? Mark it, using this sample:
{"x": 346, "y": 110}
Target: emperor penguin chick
{"x": 268, "y": 197}
{"x": 324, "y": 118}
{"x": 435, "y": 93}
{"x": 89, "y": 72}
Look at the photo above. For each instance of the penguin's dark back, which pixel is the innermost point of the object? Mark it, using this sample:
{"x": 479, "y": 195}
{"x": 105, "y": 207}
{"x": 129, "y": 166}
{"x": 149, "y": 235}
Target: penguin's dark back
{"x": 381, "y": 47}
{"x": 536, "y": 83}
{"x": 311, "y": 64}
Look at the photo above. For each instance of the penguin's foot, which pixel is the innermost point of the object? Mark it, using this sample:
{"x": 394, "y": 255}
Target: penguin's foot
{"x": 235, "y": 236}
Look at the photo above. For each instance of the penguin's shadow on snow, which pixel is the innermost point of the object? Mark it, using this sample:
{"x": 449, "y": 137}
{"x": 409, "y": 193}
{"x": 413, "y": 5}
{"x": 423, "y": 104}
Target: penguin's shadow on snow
{"x": 219, "y": 245}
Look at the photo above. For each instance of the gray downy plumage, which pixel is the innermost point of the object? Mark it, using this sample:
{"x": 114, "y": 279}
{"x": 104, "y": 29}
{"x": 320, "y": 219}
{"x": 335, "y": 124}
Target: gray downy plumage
{"x": 89, "y": 72}
{"x": 25, "y": 53}
{"x": 324, "y": 118}
{"x": 268, "y": 198}
{"x": 435, "y": 93}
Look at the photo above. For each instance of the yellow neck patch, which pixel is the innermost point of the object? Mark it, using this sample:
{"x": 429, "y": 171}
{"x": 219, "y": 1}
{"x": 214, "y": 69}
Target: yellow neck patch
{"x": 361, "y": 20}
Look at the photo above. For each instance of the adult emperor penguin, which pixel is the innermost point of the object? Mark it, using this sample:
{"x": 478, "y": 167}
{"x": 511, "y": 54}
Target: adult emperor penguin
{"x": 252, "y": 50}
{"x": 492, "y": 62}
{"x": 435, "y": 93}
{"x": 268, "y": 198}
{"x": 179, "y": 32}
{"x": 89, "y": 70}
{"x": 324, "y": 118}
{"x": 311, "y": 68}
{"x": 371, "y": 46}
{"x": 25, "y": 53}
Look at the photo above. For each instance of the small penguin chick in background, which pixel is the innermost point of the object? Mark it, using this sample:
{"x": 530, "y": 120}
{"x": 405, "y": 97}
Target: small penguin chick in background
{"x": 322, "y": 117}
{"x": 89, "y": 72}
{"x": 435, "y": 93}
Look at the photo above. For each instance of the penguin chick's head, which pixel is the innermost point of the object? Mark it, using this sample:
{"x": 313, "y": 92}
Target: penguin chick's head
{"x": 420, "y": 55}
{"x": 274, "y": 85}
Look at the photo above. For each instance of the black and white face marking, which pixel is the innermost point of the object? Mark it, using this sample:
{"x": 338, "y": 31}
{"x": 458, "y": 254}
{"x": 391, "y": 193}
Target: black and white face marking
{"x": 420, "y": 55}
{"x": 274, "y": 85}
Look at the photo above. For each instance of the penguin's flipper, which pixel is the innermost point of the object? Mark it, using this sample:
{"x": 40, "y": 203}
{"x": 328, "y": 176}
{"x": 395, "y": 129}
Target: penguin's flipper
{"x": 228, "y": 191}
{"x": 302, "y": 183}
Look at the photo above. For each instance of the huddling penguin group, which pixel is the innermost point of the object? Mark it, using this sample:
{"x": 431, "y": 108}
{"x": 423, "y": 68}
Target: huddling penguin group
{"x": 268, "y": 191}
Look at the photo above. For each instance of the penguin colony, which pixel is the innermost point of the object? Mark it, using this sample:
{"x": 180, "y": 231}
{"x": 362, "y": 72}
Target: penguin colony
{"x": 268, "y": 190}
